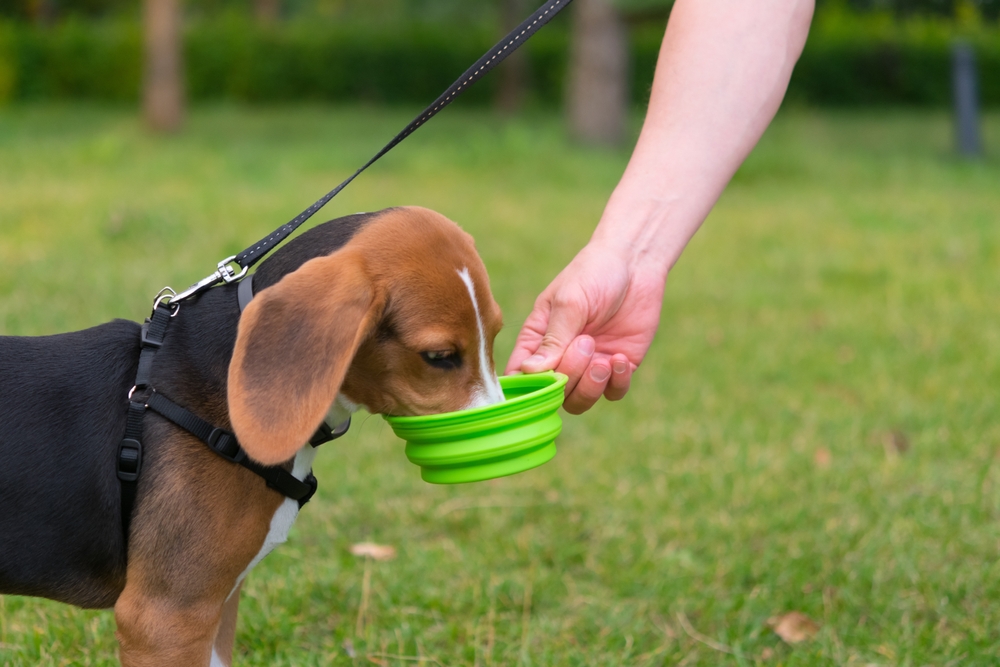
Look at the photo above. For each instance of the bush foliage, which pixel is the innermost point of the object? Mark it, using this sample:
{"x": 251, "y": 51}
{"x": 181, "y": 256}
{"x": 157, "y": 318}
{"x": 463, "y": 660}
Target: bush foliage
{"x": 854, "y": 60}
{"x": 849, "y": 60}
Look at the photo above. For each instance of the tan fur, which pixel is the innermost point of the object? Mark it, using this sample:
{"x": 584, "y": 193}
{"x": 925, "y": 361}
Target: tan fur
{"x": 294, "y": 344}
{"x": 356, "y": 322}
{"x": 199, "y": 521}
{"x": 353, "y": 322}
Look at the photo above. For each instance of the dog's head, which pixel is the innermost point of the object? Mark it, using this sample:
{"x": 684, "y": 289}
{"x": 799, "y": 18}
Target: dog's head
{"x": 400, "y": 320}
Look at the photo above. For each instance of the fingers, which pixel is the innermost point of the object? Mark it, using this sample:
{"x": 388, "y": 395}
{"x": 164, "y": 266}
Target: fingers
{"x": 589, "y": 388}
{"x": 528, "y": 340}
{"x": 607, "y": 376}
{"x": 576, "y": 361}
{"x": 566, "y": 320}
{"x": 621, "y": 378}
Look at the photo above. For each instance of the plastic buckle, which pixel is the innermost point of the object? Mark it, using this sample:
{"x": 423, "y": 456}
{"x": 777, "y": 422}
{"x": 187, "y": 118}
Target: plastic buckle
{"x": 325, "y": 434}
{"x": 225, "y": 445}
{"x": 144, "y": 338}
{"x": 313, "y": 485}
{"x": 129, "y": 460}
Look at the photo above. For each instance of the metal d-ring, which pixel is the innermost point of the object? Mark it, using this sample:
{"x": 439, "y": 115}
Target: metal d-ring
{"x": 168, "y": 294}
{"x": 132, "y": 391}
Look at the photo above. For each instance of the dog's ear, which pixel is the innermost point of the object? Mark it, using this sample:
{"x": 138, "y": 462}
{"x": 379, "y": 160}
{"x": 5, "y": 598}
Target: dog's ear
{"x": 295, "y": 343}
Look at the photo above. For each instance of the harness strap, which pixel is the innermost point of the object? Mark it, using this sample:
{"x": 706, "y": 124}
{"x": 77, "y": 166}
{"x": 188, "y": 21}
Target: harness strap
{"x": 154, "y": 329}
{"x": 130, "y": 462}
{"x": 222, "y": 442}
{"x": 129, "y": 459}
{"x": 244, "y": 292}
{"x": 225, "y": 445}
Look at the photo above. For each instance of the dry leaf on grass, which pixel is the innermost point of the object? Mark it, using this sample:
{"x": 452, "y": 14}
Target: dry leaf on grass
{"x": 895, "y": 443}
{"x": 794, "y": 627}
{"x": 823, "y": 457}
{"x": 374, "y": 551}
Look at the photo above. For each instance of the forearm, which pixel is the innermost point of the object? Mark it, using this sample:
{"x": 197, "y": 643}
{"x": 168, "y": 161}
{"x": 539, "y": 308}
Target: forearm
{"x": 722, "y": 72}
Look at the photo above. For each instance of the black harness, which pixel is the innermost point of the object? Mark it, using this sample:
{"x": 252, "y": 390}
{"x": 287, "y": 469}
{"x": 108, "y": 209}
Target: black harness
{"x": 144, "y": 397}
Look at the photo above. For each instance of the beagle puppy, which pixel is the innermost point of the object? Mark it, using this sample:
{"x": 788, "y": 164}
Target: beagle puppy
{"x": 391, "y": 311}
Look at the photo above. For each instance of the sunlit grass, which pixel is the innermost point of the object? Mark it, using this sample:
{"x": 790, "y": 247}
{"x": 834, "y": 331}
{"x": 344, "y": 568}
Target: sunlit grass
{"x": 814, "y": 429}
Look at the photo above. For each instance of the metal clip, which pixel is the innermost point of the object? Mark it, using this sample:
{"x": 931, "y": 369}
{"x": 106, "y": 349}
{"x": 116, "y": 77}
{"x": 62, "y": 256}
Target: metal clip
{"x": 224, "y": 273}
{"x": 229, "y": 274}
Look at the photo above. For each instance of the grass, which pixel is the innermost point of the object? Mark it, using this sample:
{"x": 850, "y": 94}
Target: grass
{"x": 815, "y": 428}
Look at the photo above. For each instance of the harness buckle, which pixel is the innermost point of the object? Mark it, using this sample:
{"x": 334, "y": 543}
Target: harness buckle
{"x": 228, "y": 273}
{"x": 129, "y": 460}
{"x": 145, "y": 340}
{"x": 224, "y": 444}
{"x": 313, "y": 485}
{"x": 326, "y": 433}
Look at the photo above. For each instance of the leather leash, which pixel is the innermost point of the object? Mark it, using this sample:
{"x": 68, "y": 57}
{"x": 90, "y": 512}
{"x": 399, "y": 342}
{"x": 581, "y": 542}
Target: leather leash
{"x": 167, "y": 302}
{"x": 233, "y": 268}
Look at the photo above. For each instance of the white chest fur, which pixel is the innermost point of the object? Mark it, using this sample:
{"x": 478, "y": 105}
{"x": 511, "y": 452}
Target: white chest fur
{"x": 285, "y": 515}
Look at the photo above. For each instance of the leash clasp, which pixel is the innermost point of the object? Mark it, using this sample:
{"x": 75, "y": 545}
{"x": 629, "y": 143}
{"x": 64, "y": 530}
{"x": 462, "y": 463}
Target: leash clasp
{"x": 228, "y": 273}
{"x": 225, "y": 273}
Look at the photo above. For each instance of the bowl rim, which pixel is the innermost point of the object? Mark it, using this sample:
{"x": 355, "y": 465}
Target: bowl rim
{"x": 553, "y": 382}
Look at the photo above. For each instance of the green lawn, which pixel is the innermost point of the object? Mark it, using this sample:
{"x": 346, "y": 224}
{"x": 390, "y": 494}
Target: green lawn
{"x": 814, "y": 430}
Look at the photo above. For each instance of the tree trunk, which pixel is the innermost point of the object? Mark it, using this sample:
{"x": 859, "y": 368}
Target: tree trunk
{"x": 514, "y": 71}
{"x": 43, "y": 12}
{"x": 163, "y": 97}
{"x": 598, "y": 73}
{"x": 267, "y": 11}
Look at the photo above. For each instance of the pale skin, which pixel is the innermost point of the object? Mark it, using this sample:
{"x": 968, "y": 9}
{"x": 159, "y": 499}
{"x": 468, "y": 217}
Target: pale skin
{"x": 722, "y": 72}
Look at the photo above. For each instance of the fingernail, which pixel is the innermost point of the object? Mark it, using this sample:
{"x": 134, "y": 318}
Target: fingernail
{"x": 620, "y": 366}
{"x": 599, "y": 373}
{"x": 586, "y": 345}
{"x": 535, "y": 360}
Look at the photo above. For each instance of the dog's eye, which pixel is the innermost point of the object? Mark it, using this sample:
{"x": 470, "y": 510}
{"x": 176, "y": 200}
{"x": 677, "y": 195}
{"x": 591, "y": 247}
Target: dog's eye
{"x": 446, "y": 359}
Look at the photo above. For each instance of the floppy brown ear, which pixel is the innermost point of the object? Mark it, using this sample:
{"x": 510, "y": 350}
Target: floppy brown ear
{"x": 294, "y": 345}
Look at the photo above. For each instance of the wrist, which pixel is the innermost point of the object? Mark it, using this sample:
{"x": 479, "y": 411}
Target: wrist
{"x": 648, "y": 232}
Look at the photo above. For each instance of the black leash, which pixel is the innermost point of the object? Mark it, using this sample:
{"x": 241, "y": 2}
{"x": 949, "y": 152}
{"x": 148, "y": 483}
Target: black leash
{"x": 250, "y": 256}
{"x": 167, "y": 303}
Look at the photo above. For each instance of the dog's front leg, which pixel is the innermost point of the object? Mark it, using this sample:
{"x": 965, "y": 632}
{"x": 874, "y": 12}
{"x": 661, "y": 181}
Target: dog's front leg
{"x": 156, "y": 631}
{"x": 222, "y": 652}
{"x": 198, "y": 526}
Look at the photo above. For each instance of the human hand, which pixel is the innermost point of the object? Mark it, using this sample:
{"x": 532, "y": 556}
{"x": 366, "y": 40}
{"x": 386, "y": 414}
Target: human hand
{"x": 594, "y": 323}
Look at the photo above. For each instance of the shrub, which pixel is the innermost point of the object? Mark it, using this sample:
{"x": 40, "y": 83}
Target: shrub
{"x": 853, "y": 59}
{"x": 850, "y": 59}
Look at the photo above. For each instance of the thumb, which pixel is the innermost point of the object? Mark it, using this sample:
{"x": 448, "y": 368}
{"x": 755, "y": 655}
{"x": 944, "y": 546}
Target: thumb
{"x": 566, "y": 322}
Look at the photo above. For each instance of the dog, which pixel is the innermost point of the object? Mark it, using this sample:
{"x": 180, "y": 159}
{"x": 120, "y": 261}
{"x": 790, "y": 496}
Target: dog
{"x": 390, "y": 310}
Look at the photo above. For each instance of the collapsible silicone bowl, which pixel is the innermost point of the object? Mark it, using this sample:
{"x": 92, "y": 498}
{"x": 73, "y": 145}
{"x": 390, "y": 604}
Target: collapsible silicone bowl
{"x": 494, "y": 441}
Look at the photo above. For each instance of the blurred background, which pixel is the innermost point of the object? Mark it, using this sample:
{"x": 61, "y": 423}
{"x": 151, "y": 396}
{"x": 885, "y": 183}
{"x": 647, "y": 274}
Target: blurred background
{"x": 805, "y": 471}
{"x": 860, "y": 53}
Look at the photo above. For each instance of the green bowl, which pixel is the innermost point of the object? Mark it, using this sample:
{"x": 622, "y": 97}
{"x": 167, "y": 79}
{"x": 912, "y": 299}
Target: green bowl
{"x": 494, "y": 441}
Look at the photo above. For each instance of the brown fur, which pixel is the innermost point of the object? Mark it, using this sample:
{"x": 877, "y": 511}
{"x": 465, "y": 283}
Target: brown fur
{"x": 356, "y": 322}
{"x": 353, "y": 322}
{"x": 198, "y": 525}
